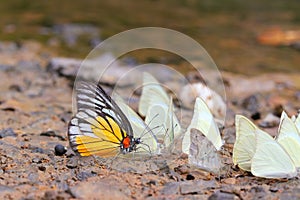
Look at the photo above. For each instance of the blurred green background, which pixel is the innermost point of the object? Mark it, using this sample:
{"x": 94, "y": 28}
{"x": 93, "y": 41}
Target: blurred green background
{"x": 227, "y": 29}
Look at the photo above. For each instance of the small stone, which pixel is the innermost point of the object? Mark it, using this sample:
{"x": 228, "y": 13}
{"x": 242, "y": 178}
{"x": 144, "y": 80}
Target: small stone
{"x": 278, "y": 110}
{"x": 192, "y": 187}
{"x": 198, "y": 173}
{"x": 251, "y": 103}
{"x": 190, "y": 177}
{"x": 67, "y": 67}
{"x": 256, "y": 115}
{"x": 170, "y": 188}
{"x": 72, "y": 163}
{"x": 60, "y": 150}
{"x": 290, "y": 195}
{"x": 36, "y": 160}
{"x": 101, "y": 190}
{"x": 15, "y": 88}
{"x": 183, "y": 169}
{"x": 229, "y": 135}
{"x": 222, "y": 196}
{"x": 7, "y": 132}
{"x": 230, "y": 181}
{"x": 84, "y": 175}
{"x": 37, "y": 150}
{"x": 269, "y": 121}
{"x": 42, "y": 168}
{"x": 50, "y": 195}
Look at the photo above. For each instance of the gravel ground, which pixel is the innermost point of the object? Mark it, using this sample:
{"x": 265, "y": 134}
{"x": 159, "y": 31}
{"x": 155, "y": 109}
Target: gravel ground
{"x": 36, "y": 106}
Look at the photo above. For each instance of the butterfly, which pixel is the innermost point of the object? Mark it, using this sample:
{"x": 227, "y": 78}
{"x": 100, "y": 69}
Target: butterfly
{"x": 202, "y": 139}
{"x": 296, "y": 120}
{"x": 203, "y": 121}
{"x": 100, "y": 127}
{"x": 158, "y": 109}
{"x": 271, "y": 160}
{"x": 263, "y": 155}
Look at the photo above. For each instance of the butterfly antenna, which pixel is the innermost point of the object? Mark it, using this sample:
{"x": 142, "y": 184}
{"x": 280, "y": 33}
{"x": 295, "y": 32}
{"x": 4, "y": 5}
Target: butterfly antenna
{"x": 149, "y": 149}
{"x": 148, "y": 126}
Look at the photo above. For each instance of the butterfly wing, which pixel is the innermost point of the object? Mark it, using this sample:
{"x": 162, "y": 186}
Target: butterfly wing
{"x": 158, "y": 108}
{"x": 297, "y": 122}
{"x": 204, "y": 122}
{"x": 162, "y": 117}
{"x": 203, "y": 154}
{"x": 99, "y": 126}
{"x": 271, "y": 160}
{"x": 287, "y": 125}
{"x": 245, "y": 143}
{"x": 289, "y": 138}
{"x": 152, "y": 93}
{"x": 140, "y": 129}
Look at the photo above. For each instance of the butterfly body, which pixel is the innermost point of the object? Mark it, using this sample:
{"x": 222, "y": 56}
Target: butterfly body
{"x": 129, "y": 144}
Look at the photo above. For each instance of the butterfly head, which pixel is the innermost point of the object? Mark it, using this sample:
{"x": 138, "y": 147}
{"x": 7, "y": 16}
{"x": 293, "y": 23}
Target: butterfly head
{"x": 129, "y": 144}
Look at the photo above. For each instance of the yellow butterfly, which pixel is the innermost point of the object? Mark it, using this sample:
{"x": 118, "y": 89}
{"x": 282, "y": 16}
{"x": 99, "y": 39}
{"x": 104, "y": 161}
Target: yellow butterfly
{"x": 100, "y": 127}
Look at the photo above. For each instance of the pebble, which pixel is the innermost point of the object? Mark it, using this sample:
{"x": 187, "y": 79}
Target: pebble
{"x": 251, "y": 103}
{"x": 100, "y": 190}
{"x": 290, "y": 195}
{"x": 72, "y": 163}
{"x": 222, "y": 196}
{"x": 256, "y": 116}
{"x": 198, "y": 173}
{"x": 171, "y": 188}
{"x": 7, "y": 132}
{"x": 67, "y": 67}
{"x": 60, "y": 150}
{"x": 229, "y": 135}
{"x": 84, "y": 175}
{"x": 198, "y": 186}
{"x": 42, "y": 168}
{"x": 269, "y": 121}
{"x": 37, "y": 150}
{"x": 36, "y": 160}
{"x": 70, "y": 32}
{"x": 230, "y": 181}
{"x": 190, "y": 177}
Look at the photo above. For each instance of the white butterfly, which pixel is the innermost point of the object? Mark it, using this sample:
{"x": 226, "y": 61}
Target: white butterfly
{"x": 258, "y": 152}
{"x": 296, "y": 120}
{"x": 289, "y": 138}
{"x": 140, "y": 129}
{"x": 271, "y": 160}
{"x": 203, "y": 121}
{"x": 158, "y": 110}
{"x": 203, "y": 150}
{"x": 203, "y": 154}
{"x": 245, "y": 143}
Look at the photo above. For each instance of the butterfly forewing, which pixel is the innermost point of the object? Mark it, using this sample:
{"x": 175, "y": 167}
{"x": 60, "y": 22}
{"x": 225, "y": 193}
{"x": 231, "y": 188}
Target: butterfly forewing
{"x": 95, "y": 98}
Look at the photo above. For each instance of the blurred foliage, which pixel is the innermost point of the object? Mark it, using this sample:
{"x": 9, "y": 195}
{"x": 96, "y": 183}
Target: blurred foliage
{"x": 227, "y": 29}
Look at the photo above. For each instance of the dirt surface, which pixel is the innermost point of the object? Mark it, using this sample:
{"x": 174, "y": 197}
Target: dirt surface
{"x": 36, "y": 106}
